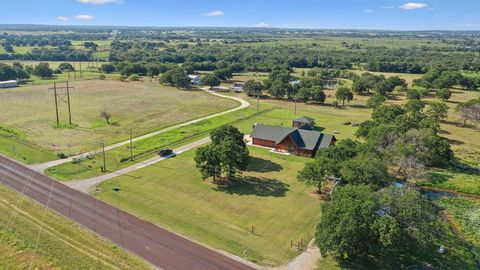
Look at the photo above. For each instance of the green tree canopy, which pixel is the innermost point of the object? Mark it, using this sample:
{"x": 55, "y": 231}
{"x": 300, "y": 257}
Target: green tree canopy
{"x": 228, "y": 154}
{"x": 364, "y": 228}
{"x": 253, "y": 88}
{"x": 344, "y": 94}
{"x": 443, "y": 94}
{"x": 365, "y": 168}
{"x": 211, "y": 80}
{"x": 375, "y": 100}
{"x": 43, "y": 70}
{"x": 318, "y": 96}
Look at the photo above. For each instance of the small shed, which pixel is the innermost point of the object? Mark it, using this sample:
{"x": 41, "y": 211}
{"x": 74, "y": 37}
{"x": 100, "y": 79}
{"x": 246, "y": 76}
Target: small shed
{"x": 304, "y": 122}
{"x": 8, "y": 84}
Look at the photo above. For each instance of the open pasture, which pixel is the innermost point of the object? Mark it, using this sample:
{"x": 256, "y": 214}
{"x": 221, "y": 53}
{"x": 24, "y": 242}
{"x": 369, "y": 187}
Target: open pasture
{"x": 138, "y": 106}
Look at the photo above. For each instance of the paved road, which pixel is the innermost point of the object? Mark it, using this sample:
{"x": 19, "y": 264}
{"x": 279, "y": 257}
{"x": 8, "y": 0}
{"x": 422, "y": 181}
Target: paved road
{"x": 156, "y": 245}
{"x": 243, "y": 104}
{"x": 87, "y": 184}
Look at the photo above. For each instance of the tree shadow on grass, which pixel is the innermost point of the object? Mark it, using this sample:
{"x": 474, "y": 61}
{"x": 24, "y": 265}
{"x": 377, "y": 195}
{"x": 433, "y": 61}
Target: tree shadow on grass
{"x": 455, "y": 142}
{"x": 262, "y": 165}
{"x": 358, "y": 106}
{"x": 262, "y": 187}
{"x": 438, "y": 178}
{"x": 317, "y": 128}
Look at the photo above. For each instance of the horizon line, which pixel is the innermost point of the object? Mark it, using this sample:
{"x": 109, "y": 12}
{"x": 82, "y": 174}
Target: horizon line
{"x": 242, "y": 27}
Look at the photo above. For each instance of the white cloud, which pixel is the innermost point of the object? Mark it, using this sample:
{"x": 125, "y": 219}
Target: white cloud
{"x": 262, "y": 25}
{"x": 368, "y": 10}
{"x": 412, "y": 5}
{"x": 84, "y": 17}
{"x": 62, "y": 18}
{"x": 215, "y": 13}
{"x": 99, "y": 2}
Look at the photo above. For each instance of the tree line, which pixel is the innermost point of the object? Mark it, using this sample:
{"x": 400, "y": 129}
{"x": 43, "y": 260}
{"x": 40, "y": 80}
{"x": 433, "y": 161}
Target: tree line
{"x": 375, "y": 216}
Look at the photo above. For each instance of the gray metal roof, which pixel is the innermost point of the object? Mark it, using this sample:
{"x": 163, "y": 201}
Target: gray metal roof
{"x": 309, "y": 138}
{"x": 271, "y": 133}
{"x": 326, "y": 141}
{"x": 306, "y": 139}
{"x": 304, "y": 119}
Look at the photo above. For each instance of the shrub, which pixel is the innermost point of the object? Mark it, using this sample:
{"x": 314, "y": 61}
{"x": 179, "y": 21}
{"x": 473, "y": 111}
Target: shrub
{"x": 134, "y": 77}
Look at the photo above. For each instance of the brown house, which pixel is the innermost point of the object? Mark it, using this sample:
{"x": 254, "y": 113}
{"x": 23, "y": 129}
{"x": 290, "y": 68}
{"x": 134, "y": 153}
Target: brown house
{"x": 299, "y": 141}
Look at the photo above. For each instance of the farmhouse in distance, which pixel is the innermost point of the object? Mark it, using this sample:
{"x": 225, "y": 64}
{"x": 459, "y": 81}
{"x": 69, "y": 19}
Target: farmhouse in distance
{"x": 300, "y": 139}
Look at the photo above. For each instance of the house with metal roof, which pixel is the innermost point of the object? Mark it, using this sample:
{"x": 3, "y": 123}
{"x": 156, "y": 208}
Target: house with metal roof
{"x": 299, "y": 141}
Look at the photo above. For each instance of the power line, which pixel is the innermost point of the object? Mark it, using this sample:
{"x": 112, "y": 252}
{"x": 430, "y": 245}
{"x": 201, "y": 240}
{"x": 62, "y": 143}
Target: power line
{"x": 58, "y": 97}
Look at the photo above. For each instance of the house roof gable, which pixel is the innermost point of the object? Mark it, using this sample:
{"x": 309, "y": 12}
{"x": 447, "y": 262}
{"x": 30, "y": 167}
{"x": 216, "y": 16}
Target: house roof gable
{"x": 305, "y": 139}
{"x": 304, "y": 119}
{"x": 270, "y": 133}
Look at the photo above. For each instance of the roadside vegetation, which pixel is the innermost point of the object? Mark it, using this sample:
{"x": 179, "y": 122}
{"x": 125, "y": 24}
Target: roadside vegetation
{"x": 398, "y": 190}
{"x": 32, "y": 237}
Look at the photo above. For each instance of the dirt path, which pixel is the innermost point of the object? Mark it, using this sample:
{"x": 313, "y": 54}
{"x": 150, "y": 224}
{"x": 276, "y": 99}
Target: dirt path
{"x": 243, "y": 104}
{"x": 305, "y": 261}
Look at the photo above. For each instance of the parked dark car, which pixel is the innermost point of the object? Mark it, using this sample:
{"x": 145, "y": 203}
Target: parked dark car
{"x": 166, "y": 153}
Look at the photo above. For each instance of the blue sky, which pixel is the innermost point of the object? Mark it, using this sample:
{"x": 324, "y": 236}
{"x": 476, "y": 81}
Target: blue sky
{"x": 339, "y": 14}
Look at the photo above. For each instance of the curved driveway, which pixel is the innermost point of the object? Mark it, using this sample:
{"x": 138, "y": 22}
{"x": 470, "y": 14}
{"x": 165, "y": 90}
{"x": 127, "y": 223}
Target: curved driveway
{"x": 243, "y": 104}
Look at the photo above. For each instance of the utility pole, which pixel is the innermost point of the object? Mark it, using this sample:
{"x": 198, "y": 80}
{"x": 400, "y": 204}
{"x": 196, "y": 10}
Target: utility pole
{"x": 69, "y": 108}
{"x": 295, "y": 104}
{"x": 63, "y": 97}
{"x": 131, "y": 145}
{"x": 258, "y": 98}
{"x": 104, "y": 168}
{"x": 56, "y": 102}
{"x": 74, "y": 70}
{"x": 80, "y": 63}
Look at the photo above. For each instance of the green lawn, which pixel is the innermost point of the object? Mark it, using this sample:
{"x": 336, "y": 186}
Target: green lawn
{"x": 143, "y": 149}
{"x": 267, "y": 197}
{"x": 61, "y": 245}
{"x": 140, "y": 106}
{"x": 464, "y": 213}
{"x": 23, "y": 151}
{"x": 279, "y": 113}
{"x": 460, "y": 181}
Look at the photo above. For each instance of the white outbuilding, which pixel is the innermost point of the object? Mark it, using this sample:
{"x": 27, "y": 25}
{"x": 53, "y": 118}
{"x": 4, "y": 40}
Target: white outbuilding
{"x": 195, "y": 79}
{"x": 8, "y": 84}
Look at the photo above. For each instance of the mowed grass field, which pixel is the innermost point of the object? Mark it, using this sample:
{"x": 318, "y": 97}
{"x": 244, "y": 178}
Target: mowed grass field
{"x": 32, "y": 238}
{"x": 272, "y": 112}
{"x": 139, "y": 106}
{"x": 119, "y": 157}
{"x": 267, "y": 197}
